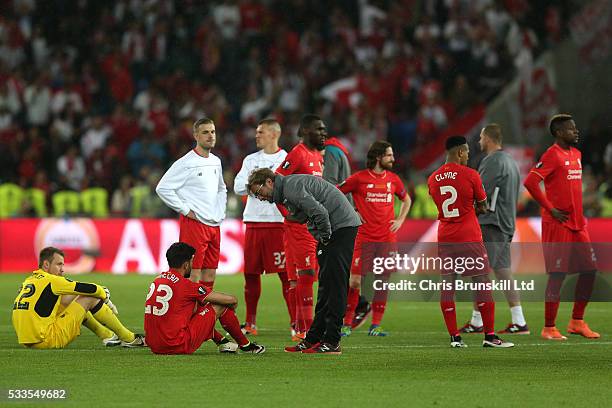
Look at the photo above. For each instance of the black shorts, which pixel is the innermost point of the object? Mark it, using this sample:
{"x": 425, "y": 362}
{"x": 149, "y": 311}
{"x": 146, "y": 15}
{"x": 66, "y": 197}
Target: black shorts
{"x": 498, "y": 246}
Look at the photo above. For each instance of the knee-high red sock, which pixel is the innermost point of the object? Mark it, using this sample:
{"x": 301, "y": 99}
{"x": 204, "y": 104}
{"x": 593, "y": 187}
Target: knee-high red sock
{"x": 351, "y": 304}
{"x": 486, "y": 306}
{"x": 217, "y": 337}
{"x": 582, "y": 294}
{"x": 292, "y": 305}
{"x": 304, "y": 296}
{"x": 447, "y": 305}
{"x": 252, "y": 291}
{"x": 552, "y": 296}
{"x": 229, "y": 321}
{"x": 379, "y": 304}
{"x": 287, "y": 290}
{"x": 378, "y": 311}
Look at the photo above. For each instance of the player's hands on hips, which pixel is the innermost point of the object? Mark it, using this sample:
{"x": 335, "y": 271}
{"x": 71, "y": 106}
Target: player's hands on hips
{"x": 559, "y": 215}
{"x": 396, "y": 225}
{"x": 191, "y": 215}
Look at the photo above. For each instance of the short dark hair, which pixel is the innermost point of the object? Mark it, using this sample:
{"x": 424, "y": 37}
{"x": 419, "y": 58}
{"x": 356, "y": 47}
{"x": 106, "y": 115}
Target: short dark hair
{"x": 493, "y": 132}
{"x": 455, "y": 141}
{"x": 377, "y": 149}
{"x": 260, "y": 176}
{"x": 557, "y": 121}
{"x": 179, "y": 253}
{"x": 202, "y": 121}
{"x": 47, "y": 253}
{"x": 307, "y": 121}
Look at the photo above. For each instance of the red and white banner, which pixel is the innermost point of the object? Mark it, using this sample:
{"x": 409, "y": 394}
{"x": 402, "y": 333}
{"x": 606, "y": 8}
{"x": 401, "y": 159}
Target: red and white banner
{"x": 591, "y": 30}
{"x": 115, "y": 245}
{"x": 124, "y": 246}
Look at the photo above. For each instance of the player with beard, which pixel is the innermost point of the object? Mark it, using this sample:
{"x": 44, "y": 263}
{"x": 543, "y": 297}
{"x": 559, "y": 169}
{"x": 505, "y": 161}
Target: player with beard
{"x": 567, "y": 245}
{"x": 300, "y": 246}
{"x": 180, "y": 314}
{"x": 373, "y": 190}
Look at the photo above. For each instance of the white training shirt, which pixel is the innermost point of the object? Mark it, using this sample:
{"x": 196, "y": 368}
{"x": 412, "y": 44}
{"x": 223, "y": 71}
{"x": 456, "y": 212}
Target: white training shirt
{"x": 194, "y": 182}
{"x": 257, "y": 210}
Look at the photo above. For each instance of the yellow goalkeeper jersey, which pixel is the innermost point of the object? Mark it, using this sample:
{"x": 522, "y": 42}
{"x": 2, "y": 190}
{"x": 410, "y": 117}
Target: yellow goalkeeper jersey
{"x": 36, "y": 306}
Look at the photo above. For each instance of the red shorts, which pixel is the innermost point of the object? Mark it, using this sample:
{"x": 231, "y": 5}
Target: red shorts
{"x": 199, "y": 329}
{"x": 205, "y": 239}
{"x": 263, "y": 248}
{"x": 365, "y": 252}
{"x": 566, "y": 250}
{"x": 463, "y": 258}
{"x": 300, "y": 249}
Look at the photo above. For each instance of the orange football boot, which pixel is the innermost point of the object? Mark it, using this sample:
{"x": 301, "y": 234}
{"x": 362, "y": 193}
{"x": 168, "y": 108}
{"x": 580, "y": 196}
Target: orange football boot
{"x": 552, "y": 333}
{"x": 580, "y": 327}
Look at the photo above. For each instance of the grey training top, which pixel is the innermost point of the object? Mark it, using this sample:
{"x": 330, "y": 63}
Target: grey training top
{"x": 316, "y": 202}
{"x": 336, "y": 167}
{"x": 500, "y": 177}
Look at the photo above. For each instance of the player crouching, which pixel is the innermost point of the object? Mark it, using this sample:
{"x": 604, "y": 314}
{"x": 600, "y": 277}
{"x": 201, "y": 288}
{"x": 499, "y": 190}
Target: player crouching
{"x": 180, "y": 314}
{"x": 49, "y": 309}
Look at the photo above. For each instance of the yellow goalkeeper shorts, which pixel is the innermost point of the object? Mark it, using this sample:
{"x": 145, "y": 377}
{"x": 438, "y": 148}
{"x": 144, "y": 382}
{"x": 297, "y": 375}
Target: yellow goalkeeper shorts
{"x": 65, "y": 328}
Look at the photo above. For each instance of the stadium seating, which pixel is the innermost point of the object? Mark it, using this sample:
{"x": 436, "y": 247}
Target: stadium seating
{"x": 11, "y": 200}
{"x": 66, "y": 203}
{"x": 94, "y": 202}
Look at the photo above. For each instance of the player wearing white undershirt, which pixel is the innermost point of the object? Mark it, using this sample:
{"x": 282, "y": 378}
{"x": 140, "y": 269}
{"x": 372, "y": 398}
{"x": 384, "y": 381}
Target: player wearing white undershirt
{"x": 263, "y": 247}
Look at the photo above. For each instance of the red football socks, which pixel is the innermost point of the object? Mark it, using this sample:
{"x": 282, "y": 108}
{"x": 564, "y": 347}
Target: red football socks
{"x": 351, "y": 304}
{"x": 450, "y": 316}
{"x": 286, "y": 288}
{"x": 552, "y": 296}
{"x": 304, "y": 299}
{"x": 252, "y": 291}
{"x": 449, "y": 311}
{"x": 378, "y": 311}
{"x": 292, "y": 305}
{"x": 582, "y": 294}
{"x": 229, "y": 321}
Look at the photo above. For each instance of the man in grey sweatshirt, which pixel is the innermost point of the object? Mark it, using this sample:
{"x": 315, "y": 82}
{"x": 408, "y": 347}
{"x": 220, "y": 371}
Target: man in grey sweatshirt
{"x": 333, "y": 222}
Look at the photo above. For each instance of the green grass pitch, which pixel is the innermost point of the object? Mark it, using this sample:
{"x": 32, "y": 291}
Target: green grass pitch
{"x": 412, "y": 367}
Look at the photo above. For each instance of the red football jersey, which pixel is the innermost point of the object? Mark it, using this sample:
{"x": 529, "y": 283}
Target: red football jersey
{"x": 169, "y": 306}
{"x": 561, "y": 171}
{"x": 302, "y": 160}
{"x": 373, "y": 195}
{"x": 454, "y": 188}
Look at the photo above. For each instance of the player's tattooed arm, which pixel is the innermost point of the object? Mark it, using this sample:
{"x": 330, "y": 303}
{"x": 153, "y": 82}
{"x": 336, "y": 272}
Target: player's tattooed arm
{"x": 222, "y": 299}
{"x": 482, "y": 207}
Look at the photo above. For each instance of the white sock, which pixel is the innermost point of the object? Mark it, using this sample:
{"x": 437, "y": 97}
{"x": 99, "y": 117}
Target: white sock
{"x": 476, "y": 319}
{"x": 517, "y": 315}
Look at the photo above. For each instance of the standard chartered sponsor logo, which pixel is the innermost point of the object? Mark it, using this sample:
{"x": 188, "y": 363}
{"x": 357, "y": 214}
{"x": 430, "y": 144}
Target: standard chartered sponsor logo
{"x": 574, "y": 174}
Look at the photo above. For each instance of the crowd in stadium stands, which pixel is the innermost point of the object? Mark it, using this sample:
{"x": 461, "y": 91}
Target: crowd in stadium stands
{"x": 98, "y": 97}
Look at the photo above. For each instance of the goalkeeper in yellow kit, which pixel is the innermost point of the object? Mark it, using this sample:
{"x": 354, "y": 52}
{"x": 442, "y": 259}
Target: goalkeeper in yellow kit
{"x": 49, "y": 309}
